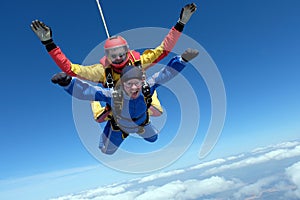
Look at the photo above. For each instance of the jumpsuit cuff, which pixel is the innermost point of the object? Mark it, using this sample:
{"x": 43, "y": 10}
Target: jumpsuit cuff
{"x": 181, "y": 59}
{"x": 50, "y": 46}
{"x": 179, "y": 26}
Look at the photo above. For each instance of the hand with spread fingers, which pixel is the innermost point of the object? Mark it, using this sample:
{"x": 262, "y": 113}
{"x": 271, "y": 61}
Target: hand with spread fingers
{"x": 42, "y": 31}
{"x": 186, "y": 12}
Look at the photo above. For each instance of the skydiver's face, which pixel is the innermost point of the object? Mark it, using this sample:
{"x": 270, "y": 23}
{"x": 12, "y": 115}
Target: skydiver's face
{"x": 117, "y": 55}
{"x": 133, "y": 87}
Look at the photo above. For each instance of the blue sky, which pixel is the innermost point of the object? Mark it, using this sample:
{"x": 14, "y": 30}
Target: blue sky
{"x": 254, "y": 44}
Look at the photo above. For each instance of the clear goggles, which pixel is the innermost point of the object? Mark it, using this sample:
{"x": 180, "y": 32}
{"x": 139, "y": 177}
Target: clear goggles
{"x": 117, "y": 54}
{"x": 129, "y": 83}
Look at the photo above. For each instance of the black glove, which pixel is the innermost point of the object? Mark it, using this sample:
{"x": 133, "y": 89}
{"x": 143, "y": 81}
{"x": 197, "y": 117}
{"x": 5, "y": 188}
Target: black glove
{"x": 186, "y": 13}
{"x": 61, "y": 79}
{"x": 42, "y": 31}
{"x": 189, "y": 54}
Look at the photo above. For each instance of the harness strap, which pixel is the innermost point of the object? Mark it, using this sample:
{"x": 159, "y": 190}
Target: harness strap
{"x": 109, "y": 78}
{"x": 116, "y": 127}
{"x": 117, "y": 96}
{"x": 147, "y": 94}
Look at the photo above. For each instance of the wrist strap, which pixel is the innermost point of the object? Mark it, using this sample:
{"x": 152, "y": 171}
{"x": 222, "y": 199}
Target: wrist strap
{"x": 50, "y": 46}
{"x": 47, "y": 42}
{"x": 179, "y": 26}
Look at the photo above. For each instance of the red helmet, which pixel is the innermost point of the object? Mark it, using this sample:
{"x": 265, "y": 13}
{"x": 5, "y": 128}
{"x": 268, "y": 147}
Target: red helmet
{"x": 116, "y": 50}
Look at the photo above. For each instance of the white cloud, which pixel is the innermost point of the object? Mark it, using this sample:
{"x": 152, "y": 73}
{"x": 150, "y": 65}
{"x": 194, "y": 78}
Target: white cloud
{"x": 289, "y": 144}
{"x": 293, "y": 172}
{"x": 161, "y": 175}
{"x": 277, "y": 154}
{"x": 211, "y": 182}
{"x": 107, "y": 192}
{"x": 209, "y": 163}
{"x": 189, "y": 189}
{"x": 200, "y": 188}
{"x": 216, "y": 162}
{"x": 181, "y": 190}
{"x": 255, "y": 189}
{"x": 231, "y": 158}
{"x": 167, "y": 191}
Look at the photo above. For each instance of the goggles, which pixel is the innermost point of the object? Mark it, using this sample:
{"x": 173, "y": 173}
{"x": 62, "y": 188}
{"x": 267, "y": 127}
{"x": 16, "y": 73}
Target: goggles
{"x": 129, "y": 84}
{"x": 117, "y": 54}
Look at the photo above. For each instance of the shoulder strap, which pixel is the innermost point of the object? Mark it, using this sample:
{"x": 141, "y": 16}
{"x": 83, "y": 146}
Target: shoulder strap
{"x": 147, "y": 94}
{"x": 109, "y": 78}
{"x": 109, "y": 82}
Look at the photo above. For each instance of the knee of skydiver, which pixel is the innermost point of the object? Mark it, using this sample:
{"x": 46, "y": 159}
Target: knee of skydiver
{"x": 107, "y": 150}
{"x": 152, "y": 138}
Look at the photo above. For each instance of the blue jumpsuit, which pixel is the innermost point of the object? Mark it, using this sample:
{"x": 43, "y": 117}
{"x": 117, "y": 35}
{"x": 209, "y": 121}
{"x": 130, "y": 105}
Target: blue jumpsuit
{"x": 133, "y": 115}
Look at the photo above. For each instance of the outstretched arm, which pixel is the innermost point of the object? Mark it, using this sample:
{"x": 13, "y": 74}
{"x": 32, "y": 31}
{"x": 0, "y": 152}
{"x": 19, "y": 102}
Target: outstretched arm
{"x": 44, "y": 33}
{"x": 152, "y": 56}
{"x": 80, "y": 89}
{"x": 175, "y": 66}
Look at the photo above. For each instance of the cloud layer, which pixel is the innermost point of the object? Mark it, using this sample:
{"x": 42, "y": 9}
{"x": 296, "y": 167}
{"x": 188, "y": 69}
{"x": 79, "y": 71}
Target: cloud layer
{"x": 265, "y": 173}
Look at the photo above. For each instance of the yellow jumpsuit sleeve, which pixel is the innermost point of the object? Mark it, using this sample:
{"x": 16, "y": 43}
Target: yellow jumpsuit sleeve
{"x": 94, "y": 73}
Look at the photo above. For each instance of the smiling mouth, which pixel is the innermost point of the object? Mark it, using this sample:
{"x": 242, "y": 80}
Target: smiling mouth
{"x": 134, "y": 93}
